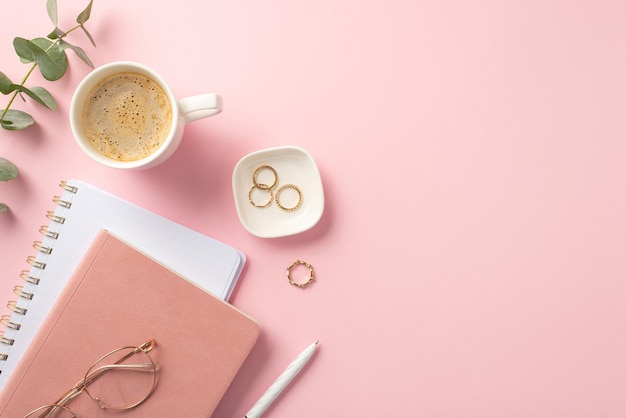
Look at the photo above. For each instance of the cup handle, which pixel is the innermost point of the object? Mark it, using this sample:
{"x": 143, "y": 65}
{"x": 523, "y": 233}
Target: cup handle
{"x": 201, "y": 106}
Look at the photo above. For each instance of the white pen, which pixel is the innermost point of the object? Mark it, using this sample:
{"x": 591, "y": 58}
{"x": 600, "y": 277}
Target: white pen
{"x": 281, "y": 383}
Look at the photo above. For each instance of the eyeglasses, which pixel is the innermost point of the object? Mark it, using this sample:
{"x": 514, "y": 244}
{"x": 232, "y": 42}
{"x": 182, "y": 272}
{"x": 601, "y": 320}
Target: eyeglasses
{"x": 120, "y": 380}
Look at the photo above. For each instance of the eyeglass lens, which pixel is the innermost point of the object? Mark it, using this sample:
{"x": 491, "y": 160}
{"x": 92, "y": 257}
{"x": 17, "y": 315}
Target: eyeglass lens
{"x": 121, "y": 379}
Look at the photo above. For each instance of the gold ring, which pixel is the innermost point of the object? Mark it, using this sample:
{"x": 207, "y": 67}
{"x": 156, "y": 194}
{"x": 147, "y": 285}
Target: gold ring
{"x": 288, "y": 208}
{"x": 253, "y": 203}
{"x": 311, "y": 273}
{"x": 263, "y": 185}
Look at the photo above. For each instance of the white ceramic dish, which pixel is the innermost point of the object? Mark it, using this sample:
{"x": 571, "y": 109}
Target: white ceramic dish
{"x": 293, "y": 165}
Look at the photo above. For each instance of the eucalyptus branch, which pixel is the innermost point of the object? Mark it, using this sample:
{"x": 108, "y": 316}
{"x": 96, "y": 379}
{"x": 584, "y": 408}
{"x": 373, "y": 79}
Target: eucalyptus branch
{"x": 19, "y": 89}
{"x": 49, "y": 56}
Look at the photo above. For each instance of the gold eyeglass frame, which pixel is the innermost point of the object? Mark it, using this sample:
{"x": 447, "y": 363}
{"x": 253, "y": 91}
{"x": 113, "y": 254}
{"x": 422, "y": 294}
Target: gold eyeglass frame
{"x": 94, "y": 374}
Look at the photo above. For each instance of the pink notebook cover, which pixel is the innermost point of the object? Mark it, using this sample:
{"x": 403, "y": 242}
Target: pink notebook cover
{"x": 119, "y": 297}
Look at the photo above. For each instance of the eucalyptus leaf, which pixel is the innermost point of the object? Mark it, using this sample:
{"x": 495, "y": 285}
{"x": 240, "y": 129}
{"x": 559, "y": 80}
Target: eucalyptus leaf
{"x": 40, "y": 95}
{"x": 56, "y": 34}
{"x": 77, "y": 50}
{"x": 88, "y": 35}
{"x": 51, "y": 5}
{"x": 32, "y": 52}
{"x": 43, "y": 43}
{"x": 23, "y": 49}
{"x": 15, "y": 120}
{"x": 45, "y": 98}
{"x": 52, "y": 62}
{"x": 53, "y": 35}
{"x": 3, "y": 207}
{"x": 8, "y": 170}
{"x": 85, "y": 14}
{"x": 57, "y": 57}
{"x": 6, "y": 86}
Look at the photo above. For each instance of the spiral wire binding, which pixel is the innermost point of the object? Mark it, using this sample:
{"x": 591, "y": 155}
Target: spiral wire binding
{"x": 61, "y": 202}
{"x": 47, "y": 233}
{"x": 38, "y": 245}
{"x": 25, "y": 275}
{"x": 66, "y": 186}
{"x": 20, "y": 292}
{"x": 54, "y": 217}
{"x": 7, "y": 320}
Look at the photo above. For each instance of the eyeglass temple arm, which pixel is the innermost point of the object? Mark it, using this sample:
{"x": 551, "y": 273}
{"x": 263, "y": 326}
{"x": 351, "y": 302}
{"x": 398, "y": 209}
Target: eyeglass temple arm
{"x": 79, "y": 387}
{"x": 139, "y": 367}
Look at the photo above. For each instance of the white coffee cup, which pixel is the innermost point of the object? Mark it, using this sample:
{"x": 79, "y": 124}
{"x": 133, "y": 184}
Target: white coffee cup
{"x": 182, "y": 111}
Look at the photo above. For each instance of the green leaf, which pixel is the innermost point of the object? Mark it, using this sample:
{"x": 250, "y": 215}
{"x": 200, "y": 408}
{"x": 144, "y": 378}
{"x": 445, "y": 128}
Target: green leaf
{"x": 52, "y": 62}
{"x": 53, "y": 34}
{"x": 51, "y": 5}
{"x": 6, "y": 86}
{"x": 3, "y": 207}
{"x": 15, "y": 120}
{"x": 57, "y": 57}
{"x": 77, "y": 50}
{"x": 44, "y": 97}
{"x": 8, "y": 170}
{"x": 23, "y": 49}
{"x": 43, "y": 43}
{"x": 88, "y": 35}
{"x": 84, "y": 15}
{"x": 39, "y": 94}
{"x": 56, "y": 34}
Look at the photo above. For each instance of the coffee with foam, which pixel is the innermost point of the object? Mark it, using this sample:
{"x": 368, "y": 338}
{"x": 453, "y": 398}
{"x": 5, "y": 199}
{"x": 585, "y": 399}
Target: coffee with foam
{"x": 127, "y": 117}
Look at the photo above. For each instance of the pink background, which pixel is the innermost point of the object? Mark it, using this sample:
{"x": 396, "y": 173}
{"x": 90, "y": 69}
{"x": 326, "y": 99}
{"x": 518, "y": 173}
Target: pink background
{"x": 470, "y": 258}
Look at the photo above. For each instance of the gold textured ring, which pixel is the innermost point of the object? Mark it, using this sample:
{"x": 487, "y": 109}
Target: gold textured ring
{"x": 311, "y": 273}
{"x": 288, "y": 208}
{"x": 253, "y": 203}
{"x": 263, "y": 185}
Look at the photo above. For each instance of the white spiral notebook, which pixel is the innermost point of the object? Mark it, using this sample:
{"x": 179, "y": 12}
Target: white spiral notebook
{"x": 82, "y": 210}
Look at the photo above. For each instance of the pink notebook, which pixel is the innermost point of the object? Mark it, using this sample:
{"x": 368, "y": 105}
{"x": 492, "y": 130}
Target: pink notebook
{"x": 120, "y": 297}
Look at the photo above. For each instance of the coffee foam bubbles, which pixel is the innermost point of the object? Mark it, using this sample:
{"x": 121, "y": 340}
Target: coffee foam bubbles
{"x": 128, "y": 117}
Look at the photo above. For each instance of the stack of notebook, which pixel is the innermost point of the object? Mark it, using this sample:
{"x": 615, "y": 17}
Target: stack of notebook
{"x": 109, "y": 273}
